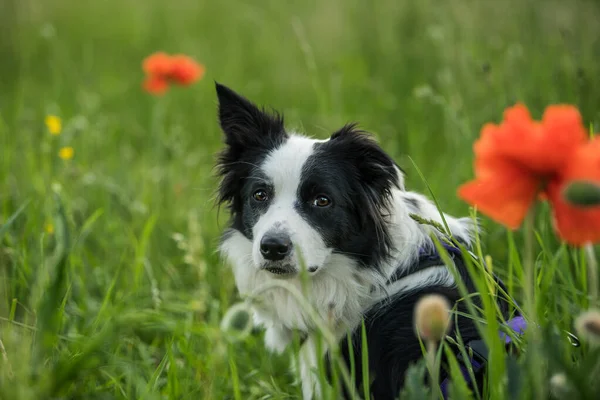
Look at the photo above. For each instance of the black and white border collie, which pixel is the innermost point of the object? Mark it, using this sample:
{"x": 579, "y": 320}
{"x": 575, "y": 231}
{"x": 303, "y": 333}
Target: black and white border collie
{"x": 342, "y": 204}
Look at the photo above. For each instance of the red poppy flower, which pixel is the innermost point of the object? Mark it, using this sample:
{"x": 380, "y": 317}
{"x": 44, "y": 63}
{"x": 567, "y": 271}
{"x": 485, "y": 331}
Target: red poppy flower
{"x": 521, "y": 159}
{"x": 162, "y": 69}
{"x": 184, "y": 70}
{"x": 156, "y": 85}
{"x": 158, "y": 64}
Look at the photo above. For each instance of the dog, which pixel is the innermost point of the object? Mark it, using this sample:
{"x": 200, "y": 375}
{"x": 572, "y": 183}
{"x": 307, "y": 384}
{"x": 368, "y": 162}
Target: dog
{"x": 336, "y": 212}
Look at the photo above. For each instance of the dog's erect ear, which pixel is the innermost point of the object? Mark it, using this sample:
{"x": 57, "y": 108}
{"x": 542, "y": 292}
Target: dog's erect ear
{"x": 244, "y": 124}
{"x": 249, "y": 132}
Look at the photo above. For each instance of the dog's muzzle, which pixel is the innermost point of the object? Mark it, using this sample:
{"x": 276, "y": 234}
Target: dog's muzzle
{"x": 276, "y": 247}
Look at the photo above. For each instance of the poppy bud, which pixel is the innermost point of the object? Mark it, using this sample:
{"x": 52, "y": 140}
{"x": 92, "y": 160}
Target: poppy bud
{"x": 237, "y": 321}
{"x": 559, "y": 385}
{"x": 432, "y": 317}
{"x": 588, "y": 326}
{"x": 582, "y": 194}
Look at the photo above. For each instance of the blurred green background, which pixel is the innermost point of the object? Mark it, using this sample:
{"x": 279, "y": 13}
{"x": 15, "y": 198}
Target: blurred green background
{"x": 423, "y": 76}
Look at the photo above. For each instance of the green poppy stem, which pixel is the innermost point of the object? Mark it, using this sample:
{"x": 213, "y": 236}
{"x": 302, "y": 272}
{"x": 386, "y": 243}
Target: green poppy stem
{"x": 530, "y": 306}
{"x": 529, "y": 266}
{"x": 434, "y": 368}
{"x": 592, "y": 270}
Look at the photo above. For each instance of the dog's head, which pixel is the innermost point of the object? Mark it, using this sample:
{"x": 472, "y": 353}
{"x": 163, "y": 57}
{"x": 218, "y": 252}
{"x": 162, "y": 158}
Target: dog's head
{"x": 290, "y": 194}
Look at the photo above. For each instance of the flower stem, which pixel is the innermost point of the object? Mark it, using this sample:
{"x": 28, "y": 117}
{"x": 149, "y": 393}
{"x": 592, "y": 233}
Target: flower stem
{"x": 433, "y": 368}
{"x": 592, "y": 269}
{"x": 5, "y": 359}
{"x": 530, "y": 306}
{"x": 529, "y": 266}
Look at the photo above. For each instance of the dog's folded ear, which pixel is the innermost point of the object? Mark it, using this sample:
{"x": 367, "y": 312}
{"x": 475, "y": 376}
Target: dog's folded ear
{"x": 244, "y": 124}
{"x": 374, "y": 175}
{"x": 378, "y": 171}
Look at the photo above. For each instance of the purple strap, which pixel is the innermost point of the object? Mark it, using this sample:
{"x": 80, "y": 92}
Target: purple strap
{"x": 452, "y": 250}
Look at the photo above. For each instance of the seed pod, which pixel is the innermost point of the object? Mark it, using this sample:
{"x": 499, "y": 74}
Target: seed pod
{"x": 588, "y": 326}
{"x": 560, "y": 386}
{"x": 432, "y": 317}
{"x": 582, "y": 194}
{"x": 237, "y": 322}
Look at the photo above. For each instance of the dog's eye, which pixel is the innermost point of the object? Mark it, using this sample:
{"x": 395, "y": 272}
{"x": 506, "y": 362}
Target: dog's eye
{"x": 321, "y": 201}
{"x": 260, "y": 195}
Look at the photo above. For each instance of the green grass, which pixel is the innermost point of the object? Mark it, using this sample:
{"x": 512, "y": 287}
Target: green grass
{"x": 124, "y": 299}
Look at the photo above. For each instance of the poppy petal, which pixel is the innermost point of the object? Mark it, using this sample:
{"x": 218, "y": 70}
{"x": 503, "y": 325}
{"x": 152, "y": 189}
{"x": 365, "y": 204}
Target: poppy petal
{"x": 485, "y": 146}
{"x": 563, "y": 132}
{"x": 504, "y": 197}
{"x": 540, "y": 147}
{"x": 158, "y": 64}
{"x": 518, "y": 115}
{"x": 577, "y": 225}
{"x": 185, "y": 70}
{"x": 564, "y": 125}
{"x": 156, "y": 85}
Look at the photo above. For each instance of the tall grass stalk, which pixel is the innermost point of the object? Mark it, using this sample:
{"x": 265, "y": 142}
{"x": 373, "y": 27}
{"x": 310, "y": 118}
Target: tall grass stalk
{"x": 592, "y": 269}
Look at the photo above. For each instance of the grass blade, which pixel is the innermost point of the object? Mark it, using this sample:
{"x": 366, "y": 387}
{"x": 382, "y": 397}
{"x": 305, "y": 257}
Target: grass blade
{"x": 12, "y": 218}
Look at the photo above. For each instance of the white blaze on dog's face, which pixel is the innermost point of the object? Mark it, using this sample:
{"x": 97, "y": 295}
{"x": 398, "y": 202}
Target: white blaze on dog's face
{"x": 293, "y": 197}
{"x": 283, "y": 237}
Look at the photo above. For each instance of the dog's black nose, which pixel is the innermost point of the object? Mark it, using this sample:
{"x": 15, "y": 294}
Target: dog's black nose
{"x": 275, "y": 247}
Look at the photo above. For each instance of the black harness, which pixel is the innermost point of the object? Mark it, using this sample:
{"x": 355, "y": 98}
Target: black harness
{"x": 476, "y": 349}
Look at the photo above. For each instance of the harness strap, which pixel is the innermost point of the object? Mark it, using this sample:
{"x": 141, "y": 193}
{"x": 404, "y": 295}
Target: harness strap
{"x": 427, "y": 258}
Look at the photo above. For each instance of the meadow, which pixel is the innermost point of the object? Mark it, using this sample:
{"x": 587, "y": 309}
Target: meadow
{"x": 110, "y": 285}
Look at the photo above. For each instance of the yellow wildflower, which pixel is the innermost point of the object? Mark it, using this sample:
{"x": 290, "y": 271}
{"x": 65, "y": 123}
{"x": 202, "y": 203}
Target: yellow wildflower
{"x": 54, "y": 124}
{"x": 49, "y": 228}
{"x": 66, "y": 153}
